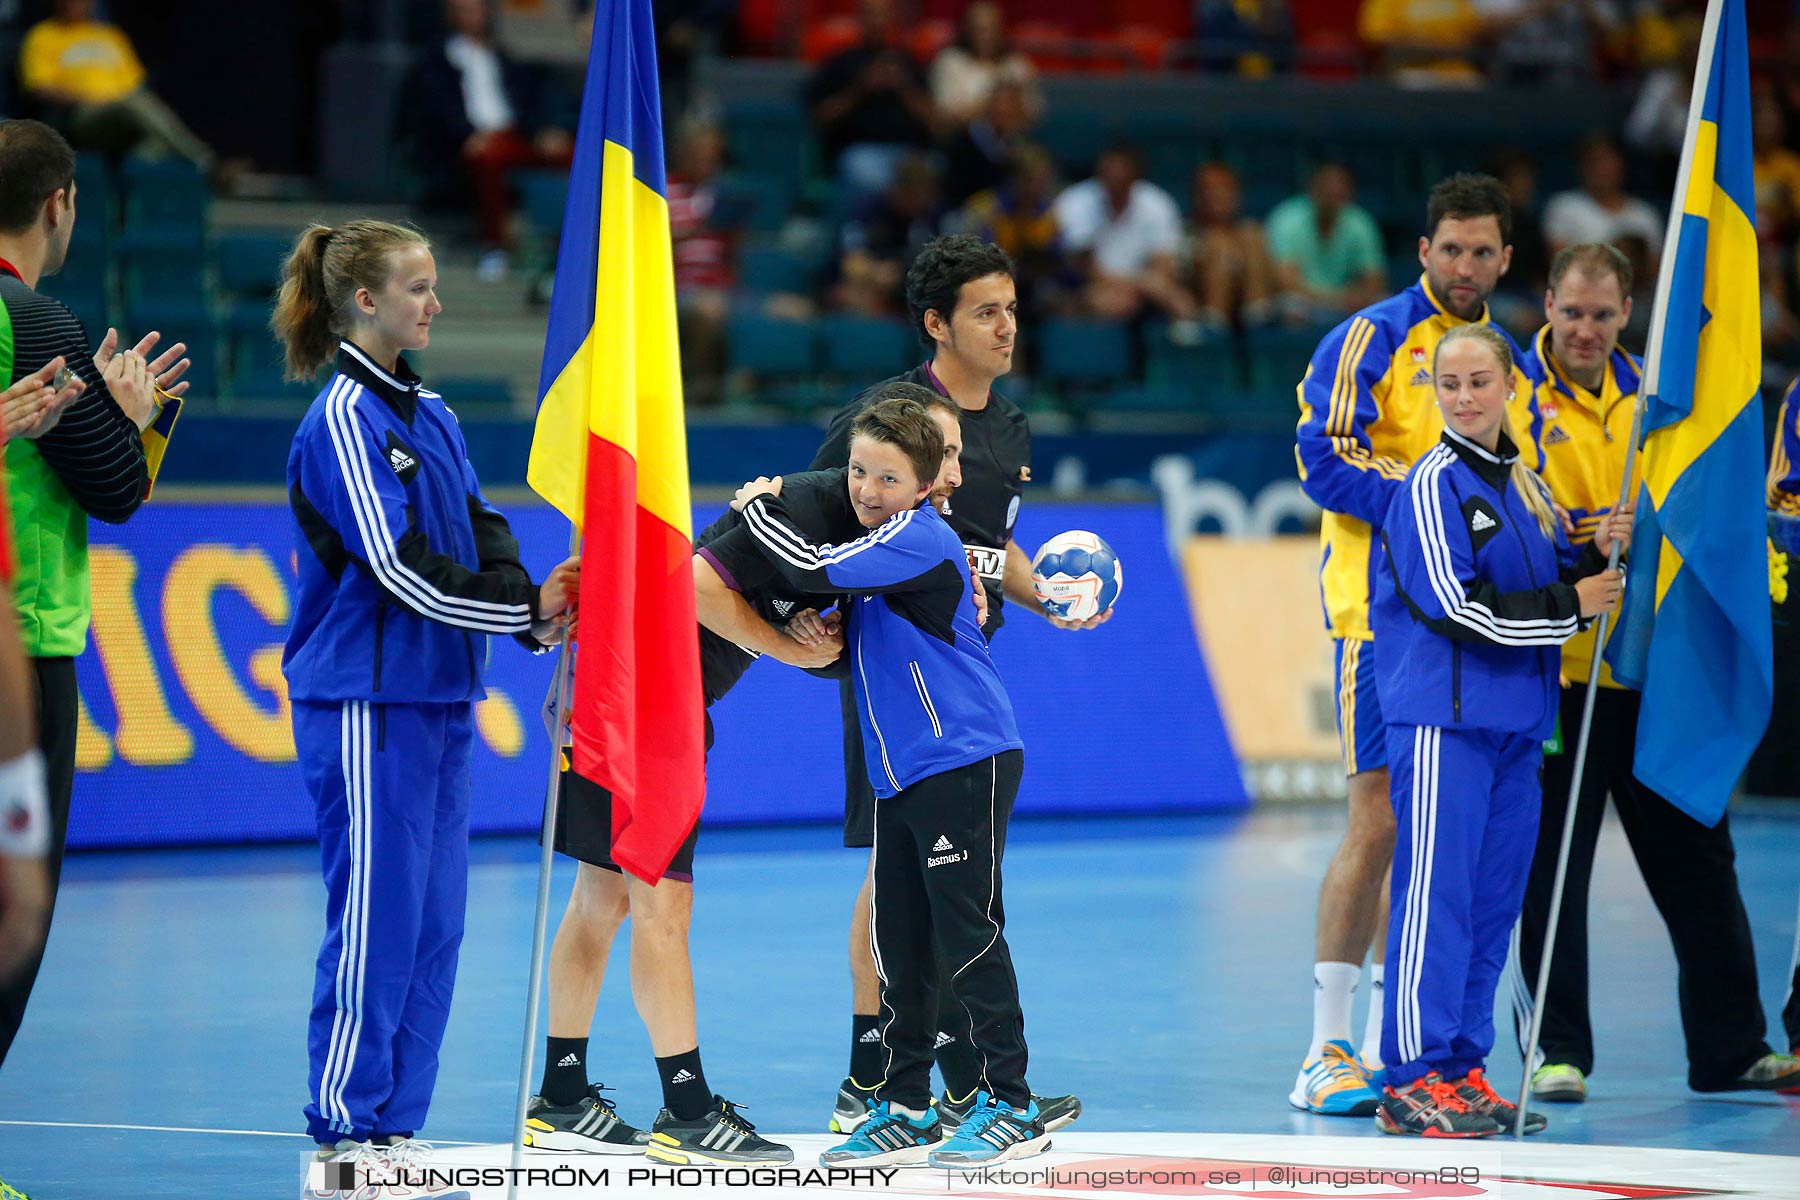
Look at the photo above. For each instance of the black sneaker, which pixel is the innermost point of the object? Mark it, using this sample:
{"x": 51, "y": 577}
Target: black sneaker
{"x": 1429, "y": 1107}
{"x": 590, "y": 1125}
{"x": 721, "y": 1136}
{"x": 1056, "y": 1111}
{"x": 1480, "y": 1096}
{"x": 854, "y": 1103}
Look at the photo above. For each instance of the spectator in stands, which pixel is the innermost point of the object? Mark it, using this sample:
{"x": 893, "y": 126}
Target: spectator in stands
{"x": 869, "y": 103}
{"x": 965, "y": 73}
{"x": 685, "y": 30}
{"x": 1227, "y": 256}
{"x": 1554, "y": 42}
{"x": 1424, "y": 43}
{"x": 1600, "y": 210}
{"x": 1019, "y": 217}
{"x": 1657, "y": 124}
{"x": 702, "y": 235}
{"x": 1787, "y": 87}
{"x": 1327, "y": 249}
{"x": 1518, "y": 302}
{"x": 87, "y": 79}
{"x": 884, "y": 236}
{"x": 1777, "y": 171}
{"x": 1124, "y": 234}
{"x": 978, "y": 157}
{"x": 472, "y": 114}
{"x": 1252, "y": 37}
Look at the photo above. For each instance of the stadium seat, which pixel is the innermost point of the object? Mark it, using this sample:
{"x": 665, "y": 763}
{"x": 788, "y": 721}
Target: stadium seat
{"x": 929, "y": 38}
{"x": 826, "y": 37}
{"x": 543, "y": 195}
{"x": 1403, "y": 269}
{"x": 165, "y": 207}
{"x": 249, "y": 264}
{"x": 765, "y": 269}
{"x": 1279, "y": 355}
{"x": 162, "y": 274}
{"x": 1185, "y": 377}
{"x": 178, "y": 320}
{"x": 769, "y": 345}
{"x": 1082, "y": 353}
{"x": 864, "y": 347}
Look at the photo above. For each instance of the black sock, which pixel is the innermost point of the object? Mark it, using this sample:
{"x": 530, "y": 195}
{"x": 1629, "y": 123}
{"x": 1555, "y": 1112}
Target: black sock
{"x": 865, "y": 1050}
{"x": 565, "y": 1070}
{"x": 685, "y": 1093}
{"x": 958, "y": 1063}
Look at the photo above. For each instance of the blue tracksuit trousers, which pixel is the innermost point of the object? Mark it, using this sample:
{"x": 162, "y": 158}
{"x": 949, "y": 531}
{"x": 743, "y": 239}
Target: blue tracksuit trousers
{"x": 390, "y": 786}
{"x": 1467, "y": 802}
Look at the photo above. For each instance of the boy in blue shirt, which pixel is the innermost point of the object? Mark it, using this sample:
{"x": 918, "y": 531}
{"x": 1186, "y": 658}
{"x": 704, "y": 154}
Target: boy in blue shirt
{"x": 944, "y": 761}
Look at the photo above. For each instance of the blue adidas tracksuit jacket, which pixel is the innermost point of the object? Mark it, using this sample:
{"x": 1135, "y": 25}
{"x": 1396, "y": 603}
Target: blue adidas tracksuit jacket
{"x": 1472, "y": 601}
{"x": 927, "y": 692}
{"x": 403, "y": 572}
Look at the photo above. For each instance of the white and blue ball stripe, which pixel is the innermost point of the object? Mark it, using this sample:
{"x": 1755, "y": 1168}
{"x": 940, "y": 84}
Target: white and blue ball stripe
{"x": 377, "y": 538}
{"x": 1416, "y": 915}
{"x": 353, "y": 954}
{"x": 795, "y": 549}
{"x": 1428, "y": 516}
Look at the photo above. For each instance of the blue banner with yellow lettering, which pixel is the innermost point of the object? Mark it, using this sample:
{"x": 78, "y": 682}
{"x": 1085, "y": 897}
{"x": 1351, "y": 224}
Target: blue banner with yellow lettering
{"x": 184, "y": 721}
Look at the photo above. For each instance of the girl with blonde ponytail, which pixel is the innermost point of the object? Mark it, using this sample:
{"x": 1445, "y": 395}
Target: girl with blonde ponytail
{"x": 1475, "y": 589}
{"x": 403, "y": 571}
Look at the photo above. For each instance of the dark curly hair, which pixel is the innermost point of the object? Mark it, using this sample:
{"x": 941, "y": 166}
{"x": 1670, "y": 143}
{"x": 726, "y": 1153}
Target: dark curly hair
{"x": 1466, "y": 195}
{"x": 936, "y": 277}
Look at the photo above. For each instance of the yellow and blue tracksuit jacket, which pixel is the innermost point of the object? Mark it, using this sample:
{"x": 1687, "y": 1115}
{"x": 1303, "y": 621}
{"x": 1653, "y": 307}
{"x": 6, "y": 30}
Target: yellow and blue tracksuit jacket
{"x": 1784, "y": 476}
{"x": 1368, "y": 411}
{"x": 1584, "y": 442}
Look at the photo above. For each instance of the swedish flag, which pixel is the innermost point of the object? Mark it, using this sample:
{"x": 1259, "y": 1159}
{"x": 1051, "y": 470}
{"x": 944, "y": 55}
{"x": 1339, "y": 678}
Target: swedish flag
{"x": 1694, "y": 634}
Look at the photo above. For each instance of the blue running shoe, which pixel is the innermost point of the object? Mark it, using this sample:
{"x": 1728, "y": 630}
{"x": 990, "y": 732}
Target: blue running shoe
{"x": 1335, "y": 1084}
{"x": 887, "y": 1138}
{"x": 992, "y": 1133}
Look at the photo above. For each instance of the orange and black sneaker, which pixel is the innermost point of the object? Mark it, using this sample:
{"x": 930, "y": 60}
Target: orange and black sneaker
{"x": 1481, "y": 1097}
{"x": 1429, "y": 1107}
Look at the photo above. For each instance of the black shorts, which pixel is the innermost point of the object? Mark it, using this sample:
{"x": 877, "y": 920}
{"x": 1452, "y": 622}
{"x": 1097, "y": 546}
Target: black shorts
{"x": 859, "y": 797}
{"x": 584, "y": 825}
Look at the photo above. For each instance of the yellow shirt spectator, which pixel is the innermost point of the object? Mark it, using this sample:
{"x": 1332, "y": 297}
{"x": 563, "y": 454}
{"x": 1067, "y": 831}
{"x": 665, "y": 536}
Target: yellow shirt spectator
{"x": 1423, "y": 40}
{"x": 88, "y": 61}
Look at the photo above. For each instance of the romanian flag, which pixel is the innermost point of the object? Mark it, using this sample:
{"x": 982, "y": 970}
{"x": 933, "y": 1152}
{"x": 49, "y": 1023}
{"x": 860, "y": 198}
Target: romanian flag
{"x": 1694, "y": 634}
{"x": 610, "y": 451}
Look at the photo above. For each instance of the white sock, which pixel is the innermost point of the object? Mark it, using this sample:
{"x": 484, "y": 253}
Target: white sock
{"x": 1371, "y": 1042}
{"x": 1334, "y": 988}
{"x": 904, "y": 1111}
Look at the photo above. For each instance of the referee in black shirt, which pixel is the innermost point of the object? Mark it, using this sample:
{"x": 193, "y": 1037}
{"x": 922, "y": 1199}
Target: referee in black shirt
{"x": 91, "y": 463}
{"x": 965, "y": 307}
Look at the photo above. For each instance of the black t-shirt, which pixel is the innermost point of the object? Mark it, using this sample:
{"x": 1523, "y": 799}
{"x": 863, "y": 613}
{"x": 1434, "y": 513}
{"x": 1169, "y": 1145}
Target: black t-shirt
{"x": 819, "y": 504}
{"x": 995, "y": 459}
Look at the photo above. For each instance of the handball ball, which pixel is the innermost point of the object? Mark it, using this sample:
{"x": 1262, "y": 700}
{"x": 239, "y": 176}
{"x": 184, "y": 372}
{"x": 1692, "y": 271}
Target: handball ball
{"x": 1076, "y": 575}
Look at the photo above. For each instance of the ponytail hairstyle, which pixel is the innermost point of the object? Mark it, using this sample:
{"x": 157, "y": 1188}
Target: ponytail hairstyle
{"x": 320, "y": 281}
{"x": 1525, "y": 481}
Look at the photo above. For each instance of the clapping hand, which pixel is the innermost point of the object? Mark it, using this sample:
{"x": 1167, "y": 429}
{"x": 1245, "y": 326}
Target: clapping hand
{"x": 31, "y": 407}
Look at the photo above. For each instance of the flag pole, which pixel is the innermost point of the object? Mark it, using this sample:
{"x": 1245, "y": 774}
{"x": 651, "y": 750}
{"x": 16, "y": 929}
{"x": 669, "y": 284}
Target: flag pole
{"x": 561, "y": 683}
{"x": 1647, "y": 386}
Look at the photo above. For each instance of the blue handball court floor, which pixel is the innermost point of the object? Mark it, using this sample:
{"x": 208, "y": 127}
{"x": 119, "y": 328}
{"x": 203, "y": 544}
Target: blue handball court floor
{"x": 1165, "y": 966}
